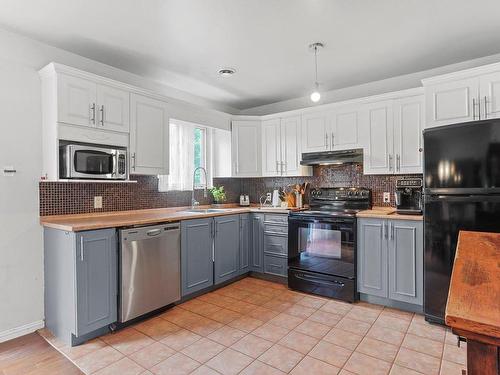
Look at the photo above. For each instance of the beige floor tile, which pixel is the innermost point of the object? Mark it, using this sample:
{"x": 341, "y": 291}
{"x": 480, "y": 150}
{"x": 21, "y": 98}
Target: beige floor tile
{"x": 363, "y": 314}
{"x": 180, "y": 339}
{"x": 98, "y": 359}
{"x": 226, "y": 335}
{"x": 450, "y": 338}
{"x": 388, "y": 311}
{"x": 281, "y": 357}
{"x": 313, "y": 366}
{"x": 128, "y": 340}
{"x": 277, "y": 305}
{"x": 423, "y": 345}
{"x": 451, "y": 368}
{"x": 241, "y": 307}
{"x": 146, "y": 372}
{"x": 392, "y": 322}
{"x": 152, "y": 355}
{"x": 290, "y": 296}
{"x": 157, "y": 328}
{"x": 262, "y": 313}
{"x": 354, "y": 326}
{"x": 229, "y": 362}
{"x": 313, "y": 302}
{"x": 336, "y": 307}
{"x": 204, "y": 370}
{"x": 418, "y": 318}
{"x": 400, "y": 370}
{"x": 362, "y": 364}
{"x": 271, "y": 332}
{"x": 330, "y": 353}
{"x": 378, "y": 349}
{"x": 430, "y": 331}
{"x": 325, "y": 318}
{"x": 203, "y": 350}
{"x": 312, "y": 328}
{"x": 453, "y": 353}
{"x": 260, "y": 368}
{"x": 369, "y": 305}
{"x": 252, "y": 346}
{"x": 300, "y": 311}
{"x": 299, "y": 342}
{"x": 224, "y": 316}
{"x": 343, "y": 338}
{"x": 74, "y": 352}
{"x": 286, "y": 321}
{"x": 178, "y": 364}
{"x": 387, "y": 335}
{"x": 345, "y": 372}
{"x": 124, "y": 366}
{"x": 257, "y": 299}
{"x": 207, "y": 310}
{"x": 418, "y": 361}
{"x": 246, "y": 323}
{"x": 203, "y": 326}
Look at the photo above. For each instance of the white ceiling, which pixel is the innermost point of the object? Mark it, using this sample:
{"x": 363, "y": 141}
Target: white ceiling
{"x": 183, "y": 43}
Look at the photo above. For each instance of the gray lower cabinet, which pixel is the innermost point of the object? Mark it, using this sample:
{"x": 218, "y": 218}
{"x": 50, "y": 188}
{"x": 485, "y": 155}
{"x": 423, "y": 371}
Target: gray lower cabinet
{"x": 81, "y": 283}
{"x": 197, "y": 270}
{"x": 275, "y": 251}
{"x": 390, "y": 259}
{"x": 257, "y": 243}
{"x": 226, "y": 248}
{"x": 245, "y": 243}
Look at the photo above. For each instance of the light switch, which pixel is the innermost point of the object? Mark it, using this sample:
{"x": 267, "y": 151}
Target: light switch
{"x": 98, "y": 202}
{"x": 9, "y": 171}
{"x": 387, "y": 197}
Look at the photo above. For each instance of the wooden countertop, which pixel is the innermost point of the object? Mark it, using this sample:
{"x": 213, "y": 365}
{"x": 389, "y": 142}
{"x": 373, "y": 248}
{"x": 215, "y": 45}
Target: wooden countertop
{"x": 474, "y": 297}
{"x": 80, "y": 222}
{"x": 387, "y": 213}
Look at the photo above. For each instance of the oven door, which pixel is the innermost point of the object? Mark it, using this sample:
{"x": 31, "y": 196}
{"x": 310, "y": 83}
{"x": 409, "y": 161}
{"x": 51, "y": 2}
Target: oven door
{"x": 326, "y": 245}
{"x": 95, "y": 163}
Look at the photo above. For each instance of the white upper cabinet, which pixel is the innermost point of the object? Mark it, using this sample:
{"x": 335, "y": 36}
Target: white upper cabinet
{"x": 489, "y": 91}
{"x": 291, "y": 147}
{"x": 408, "y": 123}
{"x": 113, "y": 108}
{"x": 246, "y": 148}
{"x": 271, "y": 148}
{"x": 345, "y": 124}
{"x": 377, "y": 123}
{"x": 77, "y": 101}
{"x": 315, "y": 132}
{"x": 149, "y": 136}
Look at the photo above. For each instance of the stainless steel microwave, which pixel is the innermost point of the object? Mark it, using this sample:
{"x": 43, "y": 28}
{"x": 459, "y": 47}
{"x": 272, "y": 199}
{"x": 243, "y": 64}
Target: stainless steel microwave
{"x": 80, "y": 161}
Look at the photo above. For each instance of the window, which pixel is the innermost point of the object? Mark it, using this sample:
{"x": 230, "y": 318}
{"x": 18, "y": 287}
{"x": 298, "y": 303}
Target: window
{"x": 190, "y": 148}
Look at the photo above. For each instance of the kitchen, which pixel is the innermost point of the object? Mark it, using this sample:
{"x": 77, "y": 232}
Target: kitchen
{"x": 289, "y": 236}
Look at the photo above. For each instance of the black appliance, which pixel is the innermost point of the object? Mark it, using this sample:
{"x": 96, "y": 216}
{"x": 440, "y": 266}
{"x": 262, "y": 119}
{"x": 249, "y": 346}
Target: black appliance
{"x": 322, "y": 243}
{"x": 461, "y": 192}
{"x": 408, "y": 196}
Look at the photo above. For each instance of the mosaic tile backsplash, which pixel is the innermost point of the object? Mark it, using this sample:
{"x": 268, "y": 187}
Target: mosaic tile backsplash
{"x": 60, "y": 198}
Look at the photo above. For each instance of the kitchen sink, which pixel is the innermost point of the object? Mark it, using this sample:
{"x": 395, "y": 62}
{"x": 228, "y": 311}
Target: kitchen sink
{"x": 205, "y": 211}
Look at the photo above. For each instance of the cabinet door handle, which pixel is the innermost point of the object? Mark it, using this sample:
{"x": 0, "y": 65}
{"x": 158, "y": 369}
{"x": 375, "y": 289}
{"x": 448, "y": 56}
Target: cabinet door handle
{"x": 92, "y": 108}
{"x": 133, "y": 158}
{"x": 326, "y": 140}
{"x": 473, "y": 108}
{"x": 277, "y": 166}
{"x": 391, "y": 228}
{"x": 390, "y": 162}
{"x": 333, "y": 139}
{"x": 102, "y": 115}
{"x": 398, "y": 162}
{"x": 82, "y": 257}
{"x": 485, "y": 107}
{"x": 384, "y": 234}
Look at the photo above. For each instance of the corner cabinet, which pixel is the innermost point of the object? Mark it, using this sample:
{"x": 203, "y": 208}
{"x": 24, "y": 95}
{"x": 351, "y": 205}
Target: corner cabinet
{"x": 149, "y": 136}
{"x": 245, "y": 243}
{"x": 246, "y": 148}
{"x": 226, "y": 248}
{"x": 81, "y": 285}
{"x": 390, "y": 259}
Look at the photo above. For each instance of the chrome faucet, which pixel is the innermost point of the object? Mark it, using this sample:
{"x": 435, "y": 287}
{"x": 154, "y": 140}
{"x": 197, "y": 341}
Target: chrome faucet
{"x": 194, "y": 202}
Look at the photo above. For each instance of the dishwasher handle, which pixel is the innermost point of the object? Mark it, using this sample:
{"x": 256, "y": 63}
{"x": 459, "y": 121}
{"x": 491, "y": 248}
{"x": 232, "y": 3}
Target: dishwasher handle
{"x": 153, "y": 232}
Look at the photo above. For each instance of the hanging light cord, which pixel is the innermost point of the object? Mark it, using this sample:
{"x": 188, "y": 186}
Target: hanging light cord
{"x": 316, "y": 64}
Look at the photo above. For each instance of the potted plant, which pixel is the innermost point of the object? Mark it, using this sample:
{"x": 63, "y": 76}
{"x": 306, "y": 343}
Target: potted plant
{"x": 218, "y": 194}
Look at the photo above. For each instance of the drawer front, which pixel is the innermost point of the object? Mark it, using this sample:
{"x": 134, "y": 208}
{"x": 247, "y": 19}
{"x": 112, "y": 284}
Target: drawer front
{"x": 274, "y": 218}
{"x": 275, "y": 265}
{"x": 275, "y": 244}
{"x": 276, "y": 228}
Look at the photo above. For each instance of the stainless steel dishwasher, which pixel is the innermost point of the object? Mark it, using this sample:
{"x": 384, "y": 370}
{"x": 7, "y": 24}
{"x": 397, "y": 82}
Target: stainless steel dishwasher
{"x": 149, "y": 269}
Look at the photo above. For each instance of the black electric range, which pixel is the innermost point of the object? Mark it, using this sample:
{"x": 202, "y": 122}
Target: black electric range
{"x": 322, "y": 243}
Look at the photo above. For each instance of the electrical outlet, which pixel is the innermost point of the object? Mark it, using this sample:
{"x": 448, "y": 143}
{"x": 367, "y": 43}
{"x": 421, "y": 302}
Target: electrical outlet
{"x": 268, "y": 196}
{"x": 387, "y": 197}
{"x": 98, "y": 202}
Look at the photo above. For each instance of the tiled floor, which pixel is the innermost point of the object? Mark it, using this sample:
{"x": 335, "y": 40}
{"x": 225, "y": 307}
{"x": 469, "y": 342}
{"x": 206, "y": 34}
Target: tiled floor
{"x": 261, "y": 328}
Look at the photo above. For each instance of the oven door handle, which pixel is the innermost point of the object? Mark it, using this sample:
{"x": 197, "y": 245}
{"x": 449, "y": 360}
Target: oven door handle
{"x": 318, "y": 280}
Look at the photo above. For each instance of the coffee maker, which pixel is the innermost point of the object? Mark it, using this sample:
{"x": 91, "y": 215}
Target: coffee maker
{"x": 408, "y": 196}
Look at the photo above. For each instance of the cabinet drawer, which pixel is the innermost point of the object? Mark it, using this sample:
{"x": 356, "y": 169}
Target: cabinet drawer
{"x": 276, "y": 228}
{"x": 275, "y": 265}
{"x": 275, "y": 244}
{"x": 280, "y": 219}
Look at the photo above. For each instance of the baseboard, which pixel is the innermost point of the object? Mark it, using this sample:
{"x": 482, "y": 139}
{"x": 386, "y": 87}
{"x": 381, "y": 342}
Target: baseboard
{"x": 21, "y": 330}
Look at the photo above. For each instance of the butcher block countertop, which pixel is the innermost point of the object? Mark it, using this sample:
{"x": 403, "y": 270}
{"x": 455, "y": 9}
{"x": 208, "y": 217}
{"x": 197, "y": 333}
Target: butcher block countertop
{"x": 101, "y": 220}
{"x": 386, "y": 213}
{"x": 474, "y": 296}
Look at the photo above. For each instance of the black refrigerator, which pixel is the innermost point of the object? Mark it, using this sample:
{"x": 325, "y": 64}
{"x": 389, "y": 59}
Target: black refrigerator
{"x": 461, "y": 192}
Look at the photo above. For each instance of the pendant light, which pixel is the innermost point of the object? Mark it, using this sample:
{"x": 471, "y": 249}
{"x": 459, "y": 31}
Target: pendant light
{"x": 315, "y": 95}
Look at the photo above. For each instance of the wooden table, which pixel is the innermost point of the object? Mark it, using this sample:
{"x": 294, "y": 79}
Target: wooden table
{"x": 473, "y": 308}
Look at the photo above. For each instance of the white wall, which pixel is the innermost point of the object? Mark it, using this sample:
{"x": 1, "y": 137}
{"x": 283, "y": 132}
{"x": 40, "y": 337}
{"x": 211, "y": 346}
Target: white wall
{"x": 21, "y": 247}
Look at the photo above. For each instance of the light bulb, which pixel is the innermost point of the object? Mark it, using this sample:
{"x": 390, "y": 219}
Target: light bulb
{"x": 315, "y": 96}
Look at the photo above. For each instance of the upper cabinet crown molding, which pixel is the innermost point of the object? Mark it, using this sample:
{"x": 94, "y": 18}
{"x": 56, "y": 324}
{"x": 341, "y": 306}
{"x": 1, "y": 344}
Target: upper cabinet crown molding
{"x": 462, "y": 74}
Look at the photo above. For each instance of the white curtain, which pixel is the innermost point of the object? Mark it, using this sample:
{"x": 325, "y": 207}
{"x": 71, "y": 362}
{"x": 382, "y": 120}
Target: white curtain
{"x": 180, "y": 176}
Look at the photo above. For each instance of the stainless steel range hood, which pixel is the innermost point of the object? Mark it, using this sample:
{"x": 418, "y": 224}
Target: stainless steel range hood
{"x": 333, "y": 157}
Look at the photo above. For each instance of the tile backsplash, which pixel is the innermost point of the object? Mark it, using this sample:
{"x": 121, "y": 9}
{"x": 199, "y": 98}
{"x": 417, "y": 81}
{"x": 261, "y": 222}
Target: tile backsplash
{"x": 60, "y": 198}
